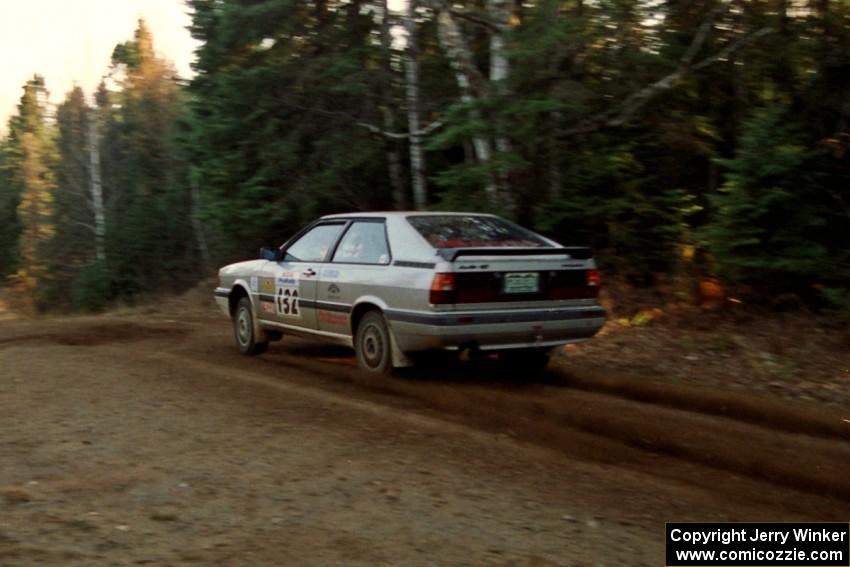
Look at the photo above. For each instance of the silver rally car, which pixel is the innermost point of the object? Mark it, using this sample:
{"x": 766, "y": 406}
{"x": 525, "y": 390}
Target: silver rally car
{"x": 393, "y": 284}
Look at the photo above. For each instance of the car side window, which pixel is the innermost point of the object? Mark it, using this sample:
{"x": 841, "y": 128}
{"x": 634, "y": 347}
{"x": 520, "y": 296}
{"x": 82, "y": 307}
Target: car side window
{"x": 364, "y": 243}
{"x": 314, "y": 245}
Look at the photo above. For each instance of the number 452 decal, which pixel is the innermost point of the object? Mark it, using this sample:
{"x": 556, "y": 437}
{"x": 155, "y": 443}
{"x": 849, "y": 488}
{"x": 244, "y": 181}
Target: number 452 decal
{"x": 286, "y": 300}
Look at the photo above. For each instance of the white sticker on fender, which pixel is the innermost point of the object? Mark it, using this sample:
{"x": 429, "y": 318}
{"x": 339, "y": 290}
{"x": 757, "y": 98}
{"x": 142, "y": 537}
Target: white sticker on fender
{"x": 254, "y": 285}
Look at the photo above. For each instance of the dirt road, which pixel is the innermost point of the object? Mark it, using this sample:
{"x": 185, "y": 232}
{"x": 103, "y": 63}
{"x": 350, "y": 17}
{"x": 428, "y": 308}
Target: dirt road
{"x": 139, "y": 439}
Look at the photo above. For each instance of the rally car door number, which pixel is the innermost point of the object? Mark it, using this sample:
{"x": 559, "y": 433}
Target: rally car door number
{"x": 287, "y": 302}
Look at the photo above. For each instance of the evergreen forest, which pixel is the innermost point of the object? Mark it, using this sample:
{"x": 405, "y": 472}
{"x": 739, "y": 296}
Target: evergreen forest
{"x": 678, "y": 138}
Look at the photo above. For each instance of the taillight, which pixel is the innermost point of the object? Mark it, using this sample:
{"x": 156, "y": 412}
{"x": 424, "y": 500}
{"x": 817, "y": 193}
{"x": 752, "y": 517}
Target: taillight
{"x": 593, "y": 278}
{"x": 442, "y": 289}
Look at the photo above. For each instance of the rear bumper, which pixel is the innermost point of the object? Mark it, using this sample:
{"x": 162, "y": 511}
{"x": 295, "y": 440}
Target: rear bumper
{"x": 493, "y": 330}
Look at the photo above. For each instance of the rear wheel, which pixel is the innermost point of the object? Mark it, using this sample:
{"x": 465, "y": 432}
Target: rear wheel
{"x": 243, "y": 330}
{"x": 372, "y": 344}
{"x": 529, "y": 361}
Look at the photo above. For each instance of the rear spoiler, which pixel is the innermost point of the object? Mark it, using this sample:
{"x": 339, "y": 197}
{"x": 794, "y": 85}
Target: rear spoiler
{"x": 571, "y": 252}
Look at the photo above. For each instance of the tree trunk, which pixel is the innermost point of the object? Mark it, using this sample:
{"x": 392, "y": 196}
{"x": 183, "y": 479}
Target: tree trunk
{"x": 556, "y": 177}
{"x": 471, "y": 84}
{"x": 500, "y": 14}
{"x": 96, "y": 186}
{"x": 196, "y": 221}
{"x": 411, "y": 79}
{"x": 399, "y": 194}
{"x": 783, "y": 16}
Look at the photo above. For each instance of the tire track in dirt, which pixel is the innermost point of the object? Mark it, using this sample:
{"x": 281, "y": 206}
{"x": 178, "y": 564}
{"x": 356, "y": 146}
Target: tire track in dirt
{"x": 809, "y": 420}
{"x": 553, "y": 417}
{"x": 803, "y": 418}
{"x": 571, "y": 473}
{"x": 603, "y": 419}
{"x": 97, "y": 334}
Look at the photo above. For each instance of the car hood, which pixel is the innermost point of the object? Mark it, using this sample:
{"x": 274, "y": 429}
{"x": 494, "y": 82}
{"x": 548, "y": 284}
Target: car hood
{"x": 241, "y": 268}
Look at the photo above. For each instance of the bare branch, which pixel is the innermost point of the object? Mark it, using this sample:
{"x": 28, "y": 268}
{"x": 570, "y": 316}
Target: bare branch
{"x": 621, "y": 112}
{"x": 73, "y": 188}
{"x": 477, "y": 19}
{"x": 435, "y": 125}
{"x": 85, "y": 225}
{"x": 700, "y": 37}
{"x": 732, "y": 48}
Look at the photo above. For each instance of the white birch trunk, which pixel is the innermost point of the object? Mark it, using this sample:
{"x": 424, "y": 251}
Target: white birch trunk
{"x": 411, "y": 79}
{"x": 470, "y": 82}
{"x": 96, "y": 186}
{"x": 500, "y": 14}
{"x": 399, "y": 195}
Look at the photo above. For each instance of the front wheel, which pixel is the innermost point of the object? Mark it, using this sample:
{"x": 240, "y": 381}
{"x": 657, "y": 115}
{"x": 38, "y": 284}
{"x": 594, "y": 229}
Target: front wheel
{"x": 243, "y": 330}
{"x": 372, "y": 344}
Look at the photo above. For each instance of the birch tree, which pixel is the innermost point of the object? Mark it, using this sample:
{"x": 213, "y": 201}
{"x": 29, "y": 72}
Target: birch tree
{"x": 393, "y": 153}
{"x": 411, "y": 76}
{"x": 97, "y": 187}
{"x": 470, "y": 81}
{"x": 499, "y": 12}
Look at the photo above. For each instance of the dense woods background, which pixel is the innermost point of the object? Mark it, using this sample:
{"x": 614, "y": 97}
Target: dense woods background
{"x": 679, "y": 138}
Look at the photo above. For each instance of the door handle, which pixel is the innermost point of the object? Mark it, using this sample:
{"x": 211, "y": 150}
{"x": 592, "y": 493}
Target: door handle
{"x": 309, "y": 272}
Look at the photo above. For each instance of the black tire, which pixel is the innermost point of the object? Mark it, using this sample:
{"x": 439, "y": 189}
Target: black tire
{"x": 528, "y": 361}
{"x": 243, "y": 330}
{"x": 372, "y": 344}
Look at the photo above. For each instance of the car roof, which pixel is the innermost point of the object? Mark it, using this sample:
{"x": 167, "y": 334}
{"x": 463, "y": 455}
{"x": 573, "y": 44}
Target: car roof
{"x": 384, "y": 214}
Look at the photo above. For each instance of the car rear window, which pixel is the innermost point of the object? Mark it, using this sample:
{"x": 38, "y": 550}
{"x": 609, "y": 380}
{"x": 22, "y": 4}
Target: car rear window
{"x": 460, "y": 231}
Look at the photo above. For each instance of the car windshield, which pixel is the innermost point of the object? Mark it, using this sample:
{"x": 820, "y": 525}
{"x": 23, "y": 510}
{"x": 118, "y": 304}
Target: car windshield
{"x": 459, "y": 231}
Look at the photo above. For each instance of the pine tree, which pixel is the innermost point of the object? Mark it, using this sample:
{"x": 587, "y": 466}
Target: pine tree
{"x": 149, "y": 239}
{"x": 75, "y": 246}
{"x": 29, "y": 160}
{"x": 774, "y": 215}
{"x": 285, "y": 104}
{"x": 9, "y": 199}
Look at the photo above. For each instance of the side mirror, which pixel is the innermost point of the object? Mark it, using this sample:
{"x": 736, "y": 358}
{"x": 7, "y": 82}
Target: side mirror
{"x": 269, "y": 254}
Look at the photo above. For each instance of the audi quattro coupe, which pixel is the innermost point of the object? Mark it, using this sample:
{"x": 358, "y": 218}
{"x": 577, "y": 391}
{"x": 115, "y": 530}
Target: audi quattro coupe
{"x": 394, "y": 284}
